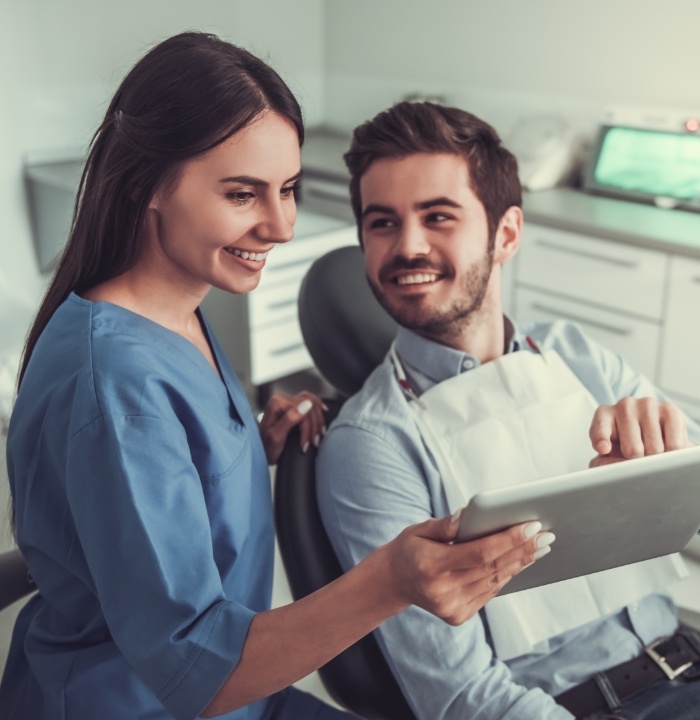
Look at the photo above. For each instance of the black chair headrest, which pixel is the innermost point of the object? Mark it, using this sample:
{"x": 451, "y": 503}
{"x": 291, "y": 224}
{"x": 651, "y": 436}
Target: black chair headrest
{"x": 346, "y": 331}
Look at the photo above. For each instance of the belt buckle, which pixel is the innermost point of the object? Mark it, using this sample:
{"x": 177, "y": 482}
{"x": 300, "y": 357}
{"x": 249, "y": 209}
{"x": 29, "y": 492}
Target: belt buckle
{"x": 670, "y": 672}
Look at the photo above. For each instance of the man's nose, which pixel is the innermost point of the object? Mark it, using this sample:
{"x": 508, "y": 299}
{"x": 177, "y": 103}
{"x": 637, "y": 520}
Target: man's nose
{"x": 412, "y": 240}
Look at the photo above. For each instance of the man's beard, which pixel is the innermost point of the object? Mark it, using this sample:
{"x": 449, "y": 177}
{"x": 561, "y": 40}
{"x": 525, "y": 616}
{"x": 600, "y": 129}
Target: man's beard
{"x": 431, "y": 322}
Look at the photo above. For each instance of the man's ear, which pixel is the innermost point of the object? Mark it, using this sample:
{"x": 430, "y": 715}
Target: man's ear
{"x": 508, "y": 235}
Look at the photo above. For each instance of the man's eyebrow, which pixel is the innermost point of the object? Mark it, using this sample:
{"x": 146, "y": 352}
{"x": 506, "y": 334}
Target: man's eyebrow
{"x": 374, "y": 208}
{"x": 258, "y": 182}
{"x": 426, "y": 204}
{"x": 422, "y": 205}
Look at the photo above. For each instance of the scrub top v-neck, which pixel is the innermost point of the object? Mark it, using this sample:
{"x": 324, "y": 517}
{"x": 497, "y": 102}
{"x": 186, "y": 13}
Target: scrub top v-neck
{"x": 143, "y": 509}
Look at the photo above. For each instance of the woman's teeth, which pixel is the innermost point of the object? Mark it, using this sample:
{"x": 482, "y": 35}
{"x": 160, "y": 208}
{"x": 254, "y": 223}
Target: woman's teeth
{"x": 245, "y": 255}
{"x": 416, "y": 279}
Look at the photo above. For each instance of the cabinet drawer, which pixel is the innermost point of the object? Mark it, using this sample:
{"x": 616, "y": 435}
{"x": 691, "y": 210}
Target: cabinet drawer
{"x": 681, "y": 347}
{"x": 620, "y": 277}
{"x": 637, "y": 341}
{"x": 276, "y": 304}
{"x": 277, "y": 350}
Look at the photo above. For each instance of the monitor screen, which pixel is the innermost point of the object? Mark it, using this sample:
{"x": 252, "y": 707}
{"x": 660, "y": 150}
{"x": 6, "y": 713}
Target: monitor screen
{"x": 648, "y": 165}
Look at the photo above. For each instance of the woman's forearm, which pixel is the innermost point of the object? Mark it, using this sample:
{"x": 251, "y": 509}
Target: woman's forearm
{"x": 287, "y": 643}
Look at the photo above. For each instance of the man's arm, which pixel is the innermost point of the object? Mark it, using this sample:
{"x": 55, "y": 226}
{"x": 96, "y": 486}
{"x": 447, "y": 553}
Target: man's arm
{"x": 369, "y": 490}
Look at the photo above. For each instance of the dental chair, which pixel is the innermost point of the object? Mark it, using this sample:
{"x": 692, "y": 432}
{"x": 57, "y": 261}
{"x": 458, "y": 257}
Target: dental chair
{"x": 347, "y": 334}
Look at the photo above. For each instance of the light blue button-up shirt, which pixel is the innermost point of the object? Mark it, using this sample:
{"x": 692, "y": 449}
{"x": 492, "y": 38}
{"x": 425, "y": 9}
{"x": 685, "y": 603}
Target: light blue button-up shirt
{"x": 375, "y": 477}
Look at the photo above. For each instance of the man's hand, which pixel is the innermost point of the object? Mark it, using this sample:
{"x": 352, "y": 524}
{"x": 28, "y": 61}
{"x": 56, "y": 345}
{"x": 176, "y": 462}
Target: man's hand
{"x": 635, "y": 427}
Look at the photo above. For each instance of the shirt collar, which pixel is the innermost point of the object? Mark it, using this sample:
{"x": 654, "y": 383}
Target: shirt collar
{"x": 428, "y": 363}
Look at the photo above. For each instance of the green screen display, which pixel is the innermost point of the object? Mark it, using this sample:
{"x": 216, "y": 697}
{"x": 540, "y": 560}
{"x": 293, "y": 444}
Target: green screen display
{"x": 660, "y": 164}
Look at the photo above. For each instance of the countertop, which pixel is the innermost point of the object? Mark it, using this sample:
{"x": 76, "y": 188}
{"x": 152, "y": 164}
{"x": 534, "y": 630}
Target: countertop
{"x": 675, "y": 231}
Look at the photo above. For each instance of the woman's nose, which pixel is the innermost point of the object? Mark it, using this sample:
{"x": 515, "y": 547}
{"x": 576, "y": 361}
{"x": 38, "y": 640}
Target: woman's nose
{"x": 277, "y": 223}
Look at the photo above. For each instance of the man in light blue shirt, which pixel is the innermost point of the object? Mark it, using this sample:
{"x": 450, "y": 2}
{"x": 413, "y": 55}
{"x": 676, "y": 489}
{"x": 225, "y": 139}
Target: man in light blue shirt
{"x": 438, "y": 206}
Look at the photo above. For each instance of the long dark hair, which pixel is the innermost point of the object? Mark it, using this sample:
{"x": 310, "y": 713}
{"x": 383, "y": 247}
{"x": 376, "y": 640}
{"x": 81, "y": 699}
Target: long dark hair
{"x": 185, "y": 96}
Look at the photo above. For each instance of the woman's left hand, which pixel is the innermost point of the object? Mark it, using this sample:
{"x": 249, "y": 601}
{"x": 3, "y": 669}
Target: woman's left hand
{"x": 282, "y": 413}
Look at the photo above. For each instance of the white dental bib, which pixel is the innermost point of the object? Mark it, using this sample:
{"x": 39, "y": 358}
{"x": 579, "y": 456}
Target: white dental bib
{"x": 518, "y": 418}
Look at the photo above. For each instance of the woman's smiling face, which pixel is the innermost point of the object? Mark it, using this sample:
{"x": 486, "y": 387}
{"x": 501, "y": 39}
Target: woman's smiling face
{"x": 227, "y": 209}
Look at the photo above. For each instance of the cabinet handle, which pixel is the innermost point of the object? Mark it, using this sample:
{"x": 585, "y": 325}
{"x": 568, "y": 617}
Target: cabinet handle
{"x": 286, "y": 349}
{"x": 581, "y": 319}
{"x": 281, "y": 304}
{"x": 587, "y": 254}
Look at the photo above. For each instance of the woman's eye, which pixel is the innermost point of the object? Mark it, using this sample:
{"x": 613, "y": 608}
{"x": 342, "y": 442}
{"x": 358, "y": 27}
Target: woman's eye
{"x": 240, "y": 196}
{"x": 290, "y": 191}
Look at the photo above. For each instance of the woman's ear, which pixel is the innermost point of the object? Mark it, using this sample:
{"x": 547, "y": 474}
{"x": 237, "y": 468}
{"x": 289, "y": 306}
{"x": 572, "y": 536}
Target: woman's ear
{"x": 508, "y": 235}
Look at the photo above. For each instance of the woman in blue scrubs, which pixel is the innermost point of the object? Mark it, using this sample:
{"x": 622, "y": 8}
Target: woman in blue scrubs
{"x": 139, "y": 475}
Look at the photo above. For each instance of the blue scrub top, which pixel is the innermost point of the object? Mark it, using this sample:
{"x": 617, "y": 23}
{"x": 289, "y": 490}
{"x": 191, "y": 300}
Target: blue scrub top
{"x": 144, "y": 512}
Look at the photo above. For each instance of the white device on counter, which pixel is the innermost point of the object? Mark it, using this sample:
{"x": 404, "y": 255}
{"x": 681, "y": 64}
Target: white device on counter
{"x": 602, "y": 517}
{"x": 547, "y": 149}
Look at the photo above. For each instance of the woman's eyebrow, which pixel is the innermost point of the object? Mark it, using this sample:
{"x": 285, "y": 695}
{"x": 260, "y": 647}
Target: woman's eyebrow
{"x": 257, "y": 182}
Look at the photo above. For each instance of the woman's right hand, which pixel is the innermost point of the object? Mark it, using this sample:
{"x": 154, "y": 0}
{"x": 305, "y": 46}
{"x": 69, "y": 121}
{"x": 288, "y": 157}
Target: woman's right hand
{"x": 455, "y": 580}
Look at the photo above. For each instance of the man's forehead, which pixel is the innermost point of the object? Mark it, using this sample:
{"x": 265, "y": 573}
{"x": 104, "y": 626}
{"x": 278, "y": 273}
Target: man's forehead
{"x": 415, "y": 178}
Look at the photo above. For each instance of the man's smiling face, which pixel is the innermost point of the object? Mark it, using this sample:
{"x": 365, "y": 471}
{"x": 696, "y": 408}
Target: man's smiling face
{"x": 425, "y": 234}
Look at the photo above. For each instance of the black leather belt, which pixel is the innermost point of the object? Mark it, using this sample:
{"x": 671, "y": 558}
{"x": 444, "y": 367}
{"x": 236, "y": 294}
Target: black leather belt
{"x": 665, "y": 659}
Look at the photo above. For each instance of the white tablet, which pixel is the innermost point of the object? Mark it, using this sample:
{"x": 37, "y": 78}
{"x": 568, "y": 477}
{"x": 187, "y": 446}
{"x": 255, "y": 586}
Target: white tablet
{"x": 603, "y": 517}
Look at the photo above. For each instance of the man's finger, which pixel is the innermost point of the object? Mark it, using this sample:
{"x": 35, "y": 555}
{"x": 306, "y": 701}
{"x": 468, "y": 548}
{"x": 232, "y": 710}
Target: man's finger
{"x": 603, "y": 430}
{"x": 673, "y": 427}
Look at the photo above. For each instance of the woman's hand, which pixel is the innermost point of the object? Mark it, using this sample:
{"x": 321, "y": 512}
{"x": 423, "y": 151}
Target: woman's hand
{"x": 282, "y": 413}
{"x": 455, "y": 580}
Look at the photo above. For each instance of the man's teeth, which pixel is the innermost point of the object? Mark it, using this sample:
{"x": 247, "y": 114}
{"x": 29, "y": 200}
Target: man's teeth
{"x": 416, "y": 279}
{"x": 245, "y": 255}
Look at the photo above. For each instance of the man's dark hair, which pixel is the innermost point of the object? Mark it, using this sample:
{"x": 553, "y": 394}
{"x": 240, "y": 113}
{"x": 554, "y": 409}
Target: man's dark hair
{"x": 408, "y": 128}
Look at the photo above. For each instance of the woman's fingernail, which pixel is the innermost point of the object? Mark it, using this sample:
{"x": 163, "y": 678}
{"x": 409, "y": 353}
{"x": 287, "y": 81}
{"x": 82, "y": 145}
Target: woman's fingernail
{"x": 304, "y": 406}
{"x": 531, "y": 529}
{"x": 317, "y": 440}
{"x": 305, "y": 448}
{"x": 540, "y": 553}
{"x": 456, "y": 515}
{"x": 324, "y": 406}
{"x": 545, "y": 539}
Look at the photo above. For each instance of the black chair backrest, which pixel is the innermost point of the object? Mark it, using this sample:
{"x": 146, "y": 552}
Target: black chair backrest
{"x": 346, "y": 331}
{"x": 15, "y": 581}
{"x": 359, "y": 678}
{"x": 347, "y": 334}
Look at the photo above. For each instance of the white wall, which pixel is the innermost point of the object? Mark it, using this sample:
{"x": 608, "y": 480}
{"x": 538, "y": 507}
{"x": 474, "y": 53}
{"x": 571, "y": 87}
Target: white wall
{"x": 505, "y": 58}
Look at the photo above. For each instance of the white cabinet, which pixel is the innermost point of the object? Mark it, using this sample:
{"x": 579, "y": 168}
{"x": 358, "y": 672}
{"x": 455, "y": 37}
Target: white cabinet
{"x": 614, "y": 292}
{"x": 679, "y": 369}
{"x": 260, "y": 331}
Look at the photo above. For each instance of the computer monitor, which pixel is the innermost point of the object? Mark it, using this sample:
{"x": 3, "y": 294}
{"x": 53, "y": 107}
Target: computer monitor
{"x": 646, "y": 165}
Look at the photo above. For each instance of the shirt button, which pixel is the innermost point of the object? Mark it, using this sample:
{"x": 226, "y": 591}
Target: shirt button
{"x": 468, "y": 364}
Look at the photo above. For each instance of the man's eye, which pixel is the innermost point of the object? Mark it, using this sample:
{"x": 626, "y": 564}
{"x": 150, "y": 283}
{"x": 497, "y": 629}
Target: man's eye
{"x": 240, "y": 196}
{"x": 437, "y": 217}
{"x": 380, "y": 223}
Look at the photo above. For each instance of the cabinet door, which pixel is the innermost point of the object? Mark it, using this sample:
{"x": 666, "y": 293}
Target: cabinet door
{"x": 598, "y": 272}
{"x": 681, "y": 344}
{"x": 637, "y": 341}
